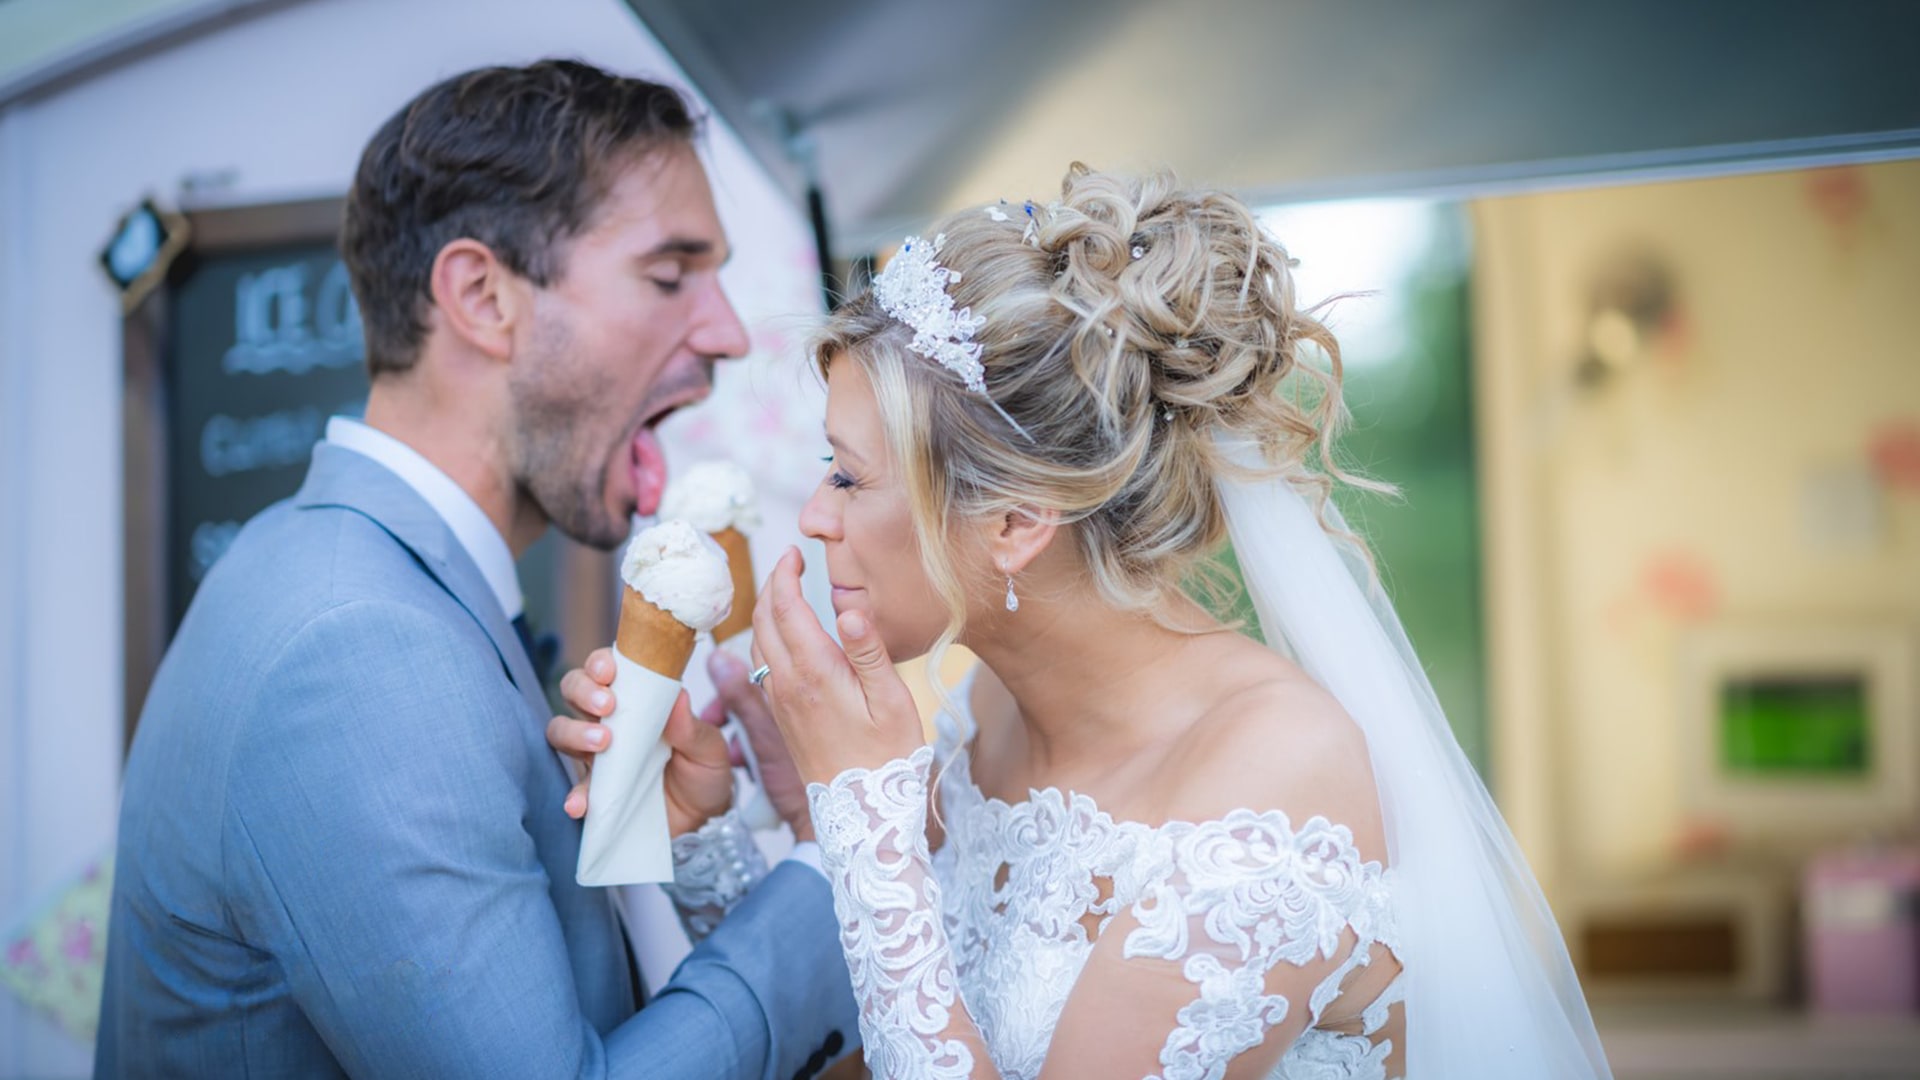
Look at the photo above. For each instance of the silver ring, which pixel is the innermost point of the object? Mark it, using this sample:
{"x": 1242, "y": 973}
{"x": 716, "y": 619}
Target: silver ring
{"x": 760, "y": 674}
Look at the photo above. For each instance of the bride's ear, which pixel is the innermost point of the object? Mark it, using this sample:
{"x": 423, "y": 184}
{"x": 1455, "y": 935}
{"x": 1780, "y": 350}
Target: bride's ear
{"x": 1019, "y": 537}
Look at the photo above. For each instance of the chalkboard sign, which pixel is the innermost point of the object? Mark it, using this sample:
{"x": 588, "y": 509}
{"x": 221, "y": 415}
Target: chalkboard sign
{"x": 231, "y": 372}
{"x": 262, "y": 346}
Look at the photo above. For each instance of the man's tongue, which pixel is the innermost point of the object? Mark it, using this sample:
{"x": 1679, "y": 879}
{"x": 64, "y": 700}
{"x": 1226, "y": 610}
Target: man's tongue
{"x": 649, "y": 473}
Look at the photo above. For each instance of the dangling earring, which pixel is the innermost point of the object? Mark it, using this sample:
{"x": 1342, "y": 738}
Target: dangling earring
{"x": 1013, "y": 602}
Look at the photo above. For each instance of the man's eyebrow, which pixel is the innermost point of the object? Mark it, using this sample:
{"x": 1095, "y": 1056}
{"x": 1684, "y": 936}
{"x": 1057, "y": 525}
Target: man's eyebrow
{"x": 685, "y": 246}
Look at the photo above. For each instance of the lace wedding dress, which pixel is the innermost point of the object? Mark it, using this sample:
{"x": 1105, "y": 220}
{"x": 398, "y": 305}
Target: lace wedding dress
{"x": 981, "y": 943}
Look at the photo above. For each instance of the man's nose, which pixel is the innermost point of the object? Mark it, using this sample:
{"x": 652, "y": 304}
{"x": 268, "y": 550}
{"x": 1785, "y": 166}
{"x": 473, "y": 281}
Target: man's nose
{"x": 718, "y": 331}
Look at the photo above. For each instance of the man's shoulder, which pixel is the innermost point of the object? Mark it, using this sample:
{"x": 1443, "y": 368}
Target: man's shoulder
{"x": 323, "y": 588}
{"x": 291, "y": 564}
{"x": 316, "y": 554}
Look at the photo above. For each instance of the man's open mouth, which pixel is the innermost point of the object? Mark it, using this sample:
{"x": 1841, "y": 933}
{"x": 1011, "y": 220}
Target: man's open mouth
{"x": 647, "y": 460}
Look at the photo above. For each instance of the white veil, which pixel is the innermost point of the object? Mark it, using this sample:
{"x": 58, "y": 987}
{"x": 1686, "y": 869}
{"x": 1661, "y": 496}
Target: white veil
{"x": 1491, "y": 992}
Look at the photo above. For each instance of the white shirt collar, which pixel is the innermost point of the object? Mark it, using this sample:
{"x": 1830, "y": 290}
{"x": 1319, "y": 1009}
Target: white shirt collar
{"x": 470, "y": 524}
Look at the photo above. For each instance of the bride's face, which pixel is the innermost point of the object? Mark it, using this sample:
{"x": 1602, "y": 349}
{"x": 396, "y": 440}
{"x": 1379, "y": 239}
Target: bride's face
{"x": 861, "y": 515}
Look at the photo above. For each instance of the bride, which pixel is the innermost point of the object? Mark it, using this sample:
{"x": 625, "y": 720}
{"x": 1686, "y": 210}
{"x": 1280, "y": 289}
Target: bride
{"x": 1143, "y": 843}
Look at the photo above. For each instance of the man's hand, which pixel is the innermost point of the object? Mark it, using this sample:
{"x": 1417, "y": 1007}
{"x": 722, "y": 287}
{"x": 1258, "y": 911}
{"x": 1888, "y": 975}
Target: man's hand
{"x": 699, "y": 778}
{"x": 744, "y": 701}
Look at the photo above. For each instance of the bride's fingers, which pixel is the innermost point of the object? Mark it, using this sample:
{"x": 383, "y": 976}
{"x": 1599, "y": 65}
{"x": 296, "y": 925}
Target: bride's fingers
{"x": 715, "y": 715}
{"x": 810, "y": 649}
{"x": 886, "y": 694}
{"x": 767, "y": 645}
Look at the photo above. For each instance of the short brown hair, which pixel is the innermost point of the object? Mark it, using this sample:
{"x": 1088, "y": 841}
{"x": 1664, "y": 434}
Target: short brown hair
{"x": 517, "y": 158}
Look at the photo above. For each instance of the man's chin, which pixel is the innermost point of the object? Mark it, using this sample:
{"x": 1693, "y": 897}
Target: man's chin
{"x": 604, "y": 535}
{"x": 597, "y": 528}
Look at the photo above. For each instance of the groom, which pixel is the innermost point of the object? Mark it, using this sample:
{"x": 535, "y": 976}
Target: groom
{"x": 342, "y": 841}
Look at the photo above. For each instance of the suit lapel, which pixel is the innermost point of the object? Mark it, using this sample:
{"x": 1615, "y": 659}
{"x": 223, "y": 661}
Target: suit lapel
{"x": 351, "y": 481}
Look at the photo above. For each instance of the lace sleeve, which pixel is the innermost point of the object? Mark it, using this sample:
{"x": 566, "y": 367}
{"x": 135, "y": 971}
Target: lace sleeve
{"x": 1257, "y": 916}
{"x": 873, "y": 847}
{"x": 713, "y": 867}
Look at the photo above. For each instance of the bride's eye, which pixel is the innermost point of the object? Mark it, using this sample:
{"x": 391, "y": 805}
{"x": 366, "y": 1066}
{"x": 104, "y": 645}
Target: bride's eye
{"x": 837, "y": 479}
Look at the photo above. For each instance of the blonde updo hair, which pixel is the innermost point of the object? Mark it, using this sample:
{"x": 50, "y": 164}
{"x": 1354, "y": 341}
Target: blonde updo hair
{"x": 1145, "y": 317}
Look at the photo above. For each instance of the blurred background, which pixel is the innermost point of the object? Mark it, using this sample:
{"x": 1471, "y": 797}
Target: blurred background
{"x": 1630, "y": 297}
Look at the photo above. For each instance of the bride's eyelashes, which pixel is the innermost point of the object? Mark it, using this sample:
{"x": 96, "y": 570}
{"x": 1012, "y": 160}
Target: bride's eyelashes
{"x": 838, "y": 478}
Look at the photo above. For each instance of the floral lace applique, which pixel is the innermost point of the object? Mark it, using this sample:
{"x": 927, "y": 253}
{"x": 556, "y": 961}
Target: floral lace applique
{"x": 1233, "y": 898}
{"x": 997, "y": 927}
{"x": 872, "y": 827}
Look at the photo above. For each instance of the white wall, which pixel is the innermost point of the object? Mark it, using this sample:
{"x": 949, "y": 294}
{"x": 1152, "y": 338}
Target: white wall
{"x": 1683, "y": 494}
{"x": 286, "y": 102}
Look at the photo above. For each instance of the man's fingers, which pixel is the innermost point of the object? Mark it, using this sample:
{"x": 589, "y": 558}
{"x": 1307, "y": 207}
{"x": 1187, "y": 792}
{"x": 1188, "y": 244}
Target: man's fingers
{"x": 576, "y": 804}
{"x": 715, "y": 712}
{"x": 580, "y": 738}
{"x": 600, "y": 666}
{"x": 584, "y": 694}
{"x": 685, "y": 734}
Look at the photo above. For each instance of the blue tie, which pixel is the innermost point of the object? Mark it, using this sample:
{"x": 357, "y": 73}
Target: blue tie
{"x": 541, "y": 651}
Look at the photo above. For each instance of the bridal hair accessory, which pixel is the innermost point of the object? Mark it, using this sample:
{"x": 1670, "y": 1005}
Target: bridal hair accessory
{"x": 913, "y": 289}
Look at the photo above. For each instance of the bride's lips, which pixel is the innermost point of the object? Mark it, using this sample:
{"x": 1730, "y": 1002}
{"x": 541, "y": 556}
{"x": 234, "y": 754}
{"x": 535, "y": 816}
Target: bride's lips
{"x": 843, "y": 593}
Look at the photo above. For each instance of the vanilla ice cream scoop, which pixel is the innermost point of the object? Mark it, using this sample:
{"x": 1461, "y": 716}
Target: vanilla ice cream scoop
{"x": 680, "y": 570}
{"x": 713, "y": 496}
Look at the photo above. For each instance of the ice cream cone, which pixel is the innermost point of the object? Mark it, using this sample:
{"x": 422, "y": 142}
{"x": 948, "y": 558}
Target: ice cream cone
{"x": 740, "y": 562}
{"x": 652, "y": 637}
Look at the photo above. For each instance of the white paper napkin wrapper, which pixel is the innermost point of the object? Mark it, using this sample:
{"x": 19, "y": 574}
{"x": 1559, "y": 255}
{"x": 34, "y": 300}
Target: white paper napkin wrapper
{"x": 626, "y": 840}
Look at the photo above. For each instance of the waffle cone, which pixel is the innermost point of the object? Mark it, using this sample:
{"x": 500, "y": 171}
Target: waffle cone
{"x": 652, "y": 637}
{"x": 740, "y": 561}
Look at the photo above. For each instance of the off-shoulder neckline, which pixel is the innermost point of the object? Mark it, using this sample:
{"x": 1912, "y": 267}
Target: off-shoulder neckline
{"x": 960, "y": 709}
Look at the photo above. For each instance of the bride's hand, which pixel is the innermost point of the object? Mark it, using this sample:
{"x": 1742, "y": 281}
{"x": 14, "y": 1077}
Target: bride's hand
{"x": 839, "y": 706}
{"x": 699, "y": 776}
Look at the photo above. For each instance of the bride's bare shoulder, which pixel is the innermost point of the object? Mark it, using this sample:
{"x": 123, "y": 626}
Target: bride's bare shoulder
{"x": 1273, "y": 739}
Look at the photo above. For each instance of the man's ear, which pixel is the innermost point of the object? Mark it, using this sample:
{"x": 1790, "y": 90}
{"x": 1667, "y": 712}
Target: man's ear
{"x": 478, "y": 299}
{"x": 1019, "y": 537}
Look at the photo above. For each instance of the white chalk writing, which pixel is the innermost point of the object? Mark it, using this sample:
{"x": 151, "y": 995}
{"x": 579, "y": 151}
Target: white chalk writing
{"x": 277, "y": 326}
{"x": 210, "y": 541}
{"x": 275, "y": 440}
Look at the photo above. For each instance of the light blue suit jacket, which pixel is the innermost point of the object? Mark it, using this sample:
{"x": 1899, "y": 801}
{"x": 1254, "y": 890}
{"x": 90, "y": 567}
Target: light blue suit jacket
{"x": 342, "y": 848}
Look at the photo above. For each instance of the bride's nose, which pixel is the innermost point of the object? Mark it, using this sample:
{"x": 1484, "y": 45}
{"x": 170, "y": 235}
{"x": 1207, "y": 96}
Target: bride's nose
{"x": 819, "y": 520}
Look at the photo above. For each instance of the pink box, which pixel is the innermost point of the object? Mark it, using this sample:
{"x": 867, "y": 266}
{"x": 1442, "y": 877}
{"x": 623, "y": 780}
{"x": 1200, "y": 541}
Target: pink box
{"x": 1862, "y": 913}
